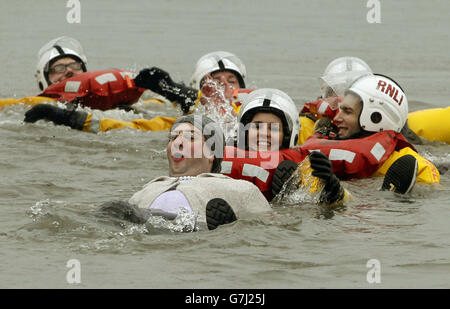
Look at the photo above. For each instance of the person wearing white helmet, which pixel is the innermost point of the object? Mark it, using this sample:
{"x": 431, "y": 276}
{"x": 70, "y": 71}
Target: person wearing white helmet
{"x": 272, "y": 121}
{"x": 372, "y": 104}
{"x": 368, "y": 137}
{"x": 222, "y": 68}
{"x": 266, "y": 152}
{"x": 194, "y": 186}
{"x": 59, "y": 59}
{"x": 219, "y": 62}
{"x": 338, "y": 75}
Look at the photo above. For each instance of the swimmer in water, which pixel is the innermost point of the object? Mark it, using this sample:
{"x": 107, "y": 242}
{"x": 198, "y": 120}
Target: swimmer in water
{"x": 266, "y": 152}
{"x": 217, "y": 69}
{"x": 59, "y": 59}
{"x": 365, "y": 139}
{"x": 194, "y": 185}
{"x": 214, "y": 70}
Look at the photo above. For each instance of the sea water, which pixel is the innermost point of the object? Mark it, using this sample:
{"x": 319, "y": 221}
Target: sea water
{"x": 53, "y": 179}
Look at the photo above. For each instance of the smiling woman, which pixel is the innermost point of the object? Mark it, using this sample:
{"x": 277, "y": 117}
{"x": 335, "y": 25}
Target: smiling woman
{"x": 265, "y": 132}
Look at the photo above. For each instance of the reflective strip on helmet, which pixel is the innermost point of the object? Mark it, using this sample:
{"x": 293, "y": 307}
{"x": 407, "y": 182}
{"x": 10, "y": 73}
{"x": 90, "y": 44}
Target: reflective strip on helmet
{"x": 255, "y": 171}
{"x": 340, "y": 154}
{"x": 72, "y": 86}
{"x": 323, "y": 107}
{"x": 226, "y": 167}
{"x": 104, "y": 78}
{"x": 378, "y": 151}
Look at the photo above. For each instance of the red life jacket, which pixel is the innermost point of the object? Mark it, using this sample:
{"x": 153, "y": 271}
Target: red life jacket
{"x": 97, "y": 89}
{"x": 257, "y": 167}
{"x": 358, "y": 158}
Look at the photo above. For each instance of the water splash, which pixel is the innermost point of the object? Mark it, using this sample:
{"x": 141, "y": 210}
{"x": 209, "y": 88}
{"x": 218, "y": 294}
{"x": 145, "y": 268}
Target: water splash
{"x": 186, "y": 221}
{"x": 37, "y": 209}
{"x": 301, "y": 187}
{"x": 217, "y": 107}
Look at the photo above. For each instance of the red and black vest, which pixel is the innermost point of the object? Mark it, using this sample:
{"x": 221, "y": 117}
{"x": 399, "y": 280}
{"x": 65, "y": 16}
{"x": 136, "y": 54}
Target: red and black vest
{"x": 358, "y": 158}
{"x": 257, "y": 167}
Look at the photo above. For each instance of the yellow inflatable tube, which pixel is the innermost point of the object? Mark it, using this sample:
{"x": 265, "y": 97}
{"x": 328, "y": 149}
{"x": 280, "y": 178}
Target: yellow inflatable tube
{"x": 32, "y": 100}
{"x": 433, "y": 124}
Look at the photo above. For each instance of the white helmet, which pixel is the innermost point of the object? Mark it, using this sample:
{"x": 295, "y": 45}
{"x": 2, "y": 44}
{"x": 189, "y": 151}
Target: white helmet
{"x": 218, "y": 61}
{"x": 54, "y": 50}
{"x": 340, "y": 73}
{"x": 274, "y": 101}
{"x": 385, "y": 106}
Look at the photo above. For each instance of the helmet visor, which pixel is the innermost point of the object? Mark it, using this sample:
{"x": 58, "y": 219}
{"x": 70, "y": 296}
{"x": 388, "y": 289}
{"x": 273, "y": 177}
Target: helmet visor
{"x": 336, "y": 84}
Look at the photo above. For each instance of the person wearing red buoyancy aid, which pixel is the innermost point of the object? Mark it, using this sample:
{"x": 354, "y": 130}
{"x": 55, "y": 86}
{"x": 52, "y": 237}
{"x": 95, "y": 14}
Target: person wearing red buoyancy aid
{"x": 213, "y": 70}
{"x": 194, "y": 188}
{"x": 338, "y": 75}
{"x": 62, "y": 75}
{"x": 268, "y": 131}
{"x": 365, "y": 139}
{"x": 59, "y": 59}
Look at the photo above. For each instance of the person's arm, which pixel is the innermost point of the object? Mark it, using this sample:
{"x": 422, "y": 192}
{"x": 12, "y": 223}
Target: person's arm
{"x": 160, "y": 82}
{"x": 83, "y": 121}
{"x": 60, "y": 116}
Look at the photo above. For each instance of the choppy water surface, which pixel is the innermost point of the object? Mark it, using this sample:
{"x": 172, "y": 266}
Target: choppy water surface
{"x": 53, "y": 179}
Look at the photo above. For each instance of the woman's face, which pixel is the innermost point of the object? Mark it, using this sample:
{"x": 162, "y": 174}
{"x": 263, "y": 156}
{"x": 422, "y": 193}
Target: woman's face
{"x": 265, "y": 132}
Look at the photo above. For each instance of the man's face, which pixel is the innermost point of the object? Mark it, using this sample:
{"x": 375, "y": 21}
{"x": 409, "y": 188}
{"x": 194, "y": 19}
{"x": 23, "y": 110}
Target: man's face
{"x": 265, "y": 132}
{"x": 227, "y": 82}
{"x": 226, "y": 78}
{"x": 64, "y": 68}
{"x": 187, "y": 153}
{"x": 347, "y": 120}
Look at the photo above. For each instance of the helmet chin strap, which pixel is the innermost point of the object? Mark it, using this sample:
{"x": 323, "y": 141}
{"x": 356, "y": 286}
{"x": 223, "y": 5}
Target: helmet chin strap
{"x": 361, "y": 133}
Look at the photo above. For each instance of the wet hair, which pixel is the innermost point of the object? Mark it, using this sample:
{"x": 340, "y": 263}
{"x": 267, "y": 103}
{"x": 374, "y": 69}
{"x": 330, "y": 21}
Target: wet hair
{"x": 213, "y": 136}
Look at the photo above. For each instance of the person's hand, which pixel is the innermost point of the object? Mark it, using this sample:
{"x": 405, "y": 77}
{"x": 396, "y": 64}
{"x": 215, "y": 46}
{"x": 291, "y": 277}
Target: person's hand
{"x": 41, "y": 111}
{"x": 154, "y": 79}
{"x": 160, "y": 82}
{"x": 57, "y": 115}
{"x": 322, "y": 169}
